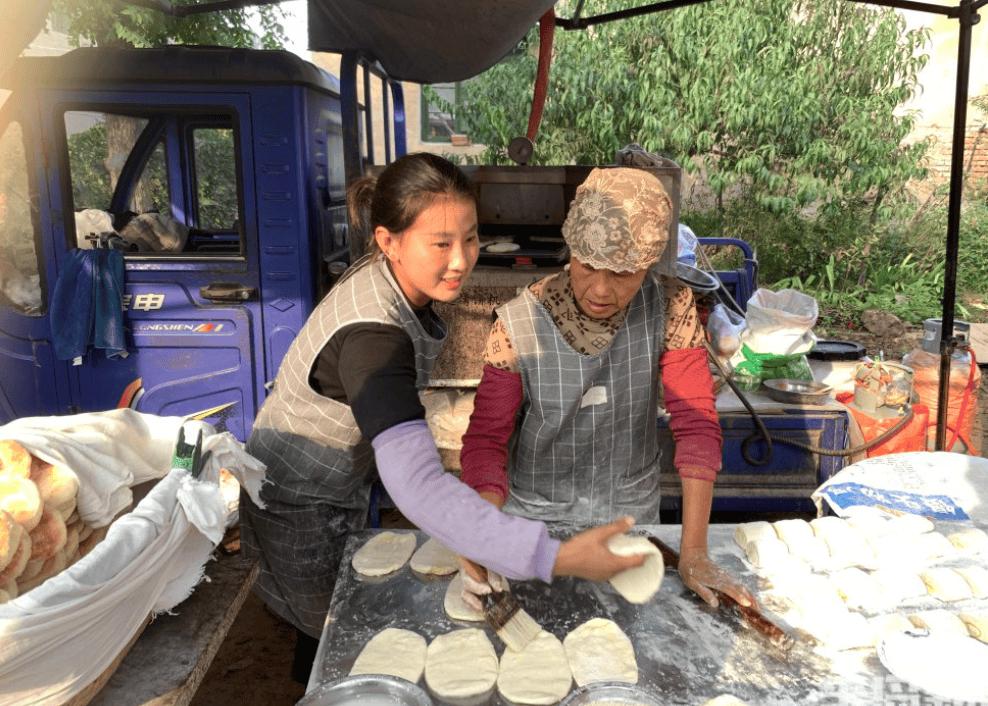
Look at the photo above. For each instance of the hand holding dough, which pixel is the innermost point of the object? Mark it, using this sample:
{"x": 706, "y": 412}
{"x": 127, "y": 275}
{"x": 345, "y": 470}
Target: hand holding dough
{"x": 640, "y": 583}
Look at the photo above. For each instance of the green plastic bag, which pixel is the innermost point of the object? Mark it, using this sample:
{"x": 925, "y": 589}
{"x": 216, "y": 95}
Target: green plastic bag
{"x": 755, "y": 367}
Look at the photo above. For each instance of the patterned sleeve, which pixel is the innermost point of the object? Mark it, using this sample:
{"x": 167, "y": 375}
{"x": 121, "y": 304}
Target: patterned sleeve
{"x": 683, "y": 327}
{"x": 499, "y": 352}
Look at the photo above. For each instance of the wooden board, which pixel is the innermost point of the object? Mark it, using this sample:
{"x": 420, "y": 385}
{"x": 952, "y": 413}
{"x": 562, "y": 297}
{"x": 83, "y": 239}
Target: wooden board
{"x": 165, "y": 666}
{"x": 87, "y": 694}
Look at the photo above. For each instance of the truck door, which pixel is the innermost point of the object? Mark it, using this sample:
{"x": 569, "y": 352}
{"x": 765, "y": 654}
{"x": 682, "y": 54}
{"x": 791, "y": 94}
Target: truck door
{"x": 32, "y": 382}
{"x": 174, "y": 174}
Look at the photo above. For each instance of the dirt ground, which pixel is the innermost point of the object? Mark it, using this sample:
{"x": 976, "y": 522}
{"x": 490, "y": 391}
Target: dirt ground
{"x": 252, "y": 667}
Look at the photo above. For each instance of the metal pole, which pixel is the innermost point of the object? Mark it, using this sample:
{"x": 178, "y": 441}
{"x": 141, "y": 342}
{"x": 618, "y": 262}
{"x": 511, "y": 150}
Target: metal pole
{"x": 967, "y": 19}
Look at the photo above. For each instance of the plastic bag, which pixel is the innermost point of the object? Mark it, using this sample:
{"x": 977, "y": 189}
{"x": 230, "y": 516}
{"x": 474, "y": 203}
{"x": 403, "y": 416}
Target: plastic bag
{"x": 687, "y": 244}
{"x": 725, "y": 328}
{"x": 750, "y": 368}
{"x": 781, "y": 322}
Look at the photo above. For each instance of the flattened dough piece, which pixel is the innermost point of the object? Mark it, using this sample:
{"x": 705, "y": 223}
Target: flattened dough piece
{"x": 453, "y": 602}
{"x": 57, "y": 485}
{"x": 461, "y": 666}
{"x": 859, "y": 590}
{"x": 812, "y": 550}
{"x": 751, "y": 531}
{"x": 898, "y": 585}
{"x": 638, "y": 584}
{"x": 946, "y": 584}
{"x": 971, "y": 540}
{"x": 939, "y": 622}
{"x": 909, "y": 525}
{"x": 767, "y": 552}
{"x": 848, "y": 547}
{"x": 932, "y": 546}
{"x": 599, "y": 650}
{"x": 539, "y": 674}
{"x": 793, "y": 531}
{"x": 977, "y": 580}
{"x": 433, "y": 558}
{"x": 889, "y": 623}
{"x": 384, "y": 553}
{"x": 976, "y": 624}
{"x": 724, "y": 700}
{"x": 400, "y": 653}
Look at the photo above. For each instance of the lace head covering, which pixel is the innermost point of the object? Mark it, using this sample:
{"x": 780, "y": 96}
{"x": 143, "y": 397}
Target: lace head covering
{"x": 619, "y": 220}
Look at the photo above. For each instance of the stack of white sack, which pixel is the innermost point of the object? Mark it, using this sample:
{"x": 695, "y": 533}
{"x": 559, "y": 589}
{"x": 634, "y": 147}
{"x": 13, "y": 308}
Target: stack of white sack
{"x": 60, "y": 636}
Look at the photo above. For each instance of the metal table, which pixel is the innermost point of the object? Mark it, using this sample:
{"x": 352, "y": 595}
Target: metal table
{"x": 687, "y": 652}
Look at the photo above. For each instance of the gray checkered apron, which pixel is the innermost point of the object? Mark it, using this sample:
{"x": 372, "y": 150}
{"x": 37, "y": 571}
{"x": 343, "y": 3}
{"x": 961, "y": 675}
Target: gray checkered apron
{"x": 320, "y": 468}
{"x": 586, "y": 450}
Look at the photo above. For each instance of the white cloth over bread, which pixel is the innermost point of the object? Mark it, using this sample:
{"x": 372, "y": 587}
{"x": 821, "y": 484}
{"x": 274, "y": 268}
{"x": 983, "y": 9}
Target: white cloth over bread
{"x": 112, "y": 451}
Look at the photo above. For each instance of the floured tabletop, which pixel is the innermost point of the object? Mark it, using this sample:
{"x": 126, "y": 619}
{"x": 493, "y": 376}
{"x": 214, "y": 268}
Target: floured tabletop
{"x": 686, "y": 652}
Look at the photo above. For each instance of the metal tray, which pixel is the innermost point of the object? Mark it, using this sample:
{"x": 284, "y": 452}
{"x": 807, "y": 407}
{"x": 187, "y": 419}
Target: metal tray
{"x": 367, "y": 690}
{"x": 613, "y": 694}
{"x": 797, "y": 391}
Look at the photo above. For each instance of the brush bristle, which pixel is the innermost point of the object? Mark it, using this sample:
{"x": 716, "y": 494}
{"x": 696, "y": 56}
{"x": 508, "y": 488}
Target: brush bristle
{"x": 520, "y": 630}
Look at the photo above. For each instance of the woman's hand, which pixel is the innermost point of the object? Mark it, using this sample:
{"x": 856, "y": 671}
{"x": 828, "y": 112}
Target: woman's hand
{"x": 586, "y": 555}
{"x": 701, "y": 575}
{"x": 478, "y": 582}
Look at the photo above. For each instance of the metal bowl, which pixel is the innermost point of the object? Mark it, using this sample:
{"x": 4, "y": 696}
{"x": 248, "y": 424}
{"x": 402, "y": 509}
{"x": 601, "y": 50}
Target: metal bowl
{"x": 612, "y": 693}
{"x": 367, "y": 690}
{"x": 796, "y": 391}
{"x": 695, "y": 278}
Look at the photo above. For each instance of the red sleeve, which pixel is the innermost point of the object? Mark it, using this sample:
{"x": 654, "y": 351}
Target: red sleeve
{"x": 690, "y": 401}
{"x": 484, "y": 458}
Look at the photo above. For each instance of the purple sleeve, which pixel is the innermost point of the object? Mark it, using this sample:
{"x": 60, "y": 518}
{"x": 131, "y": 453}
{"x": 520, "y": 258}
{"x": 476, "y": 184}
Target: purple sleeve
{"x": 454, "y": 514}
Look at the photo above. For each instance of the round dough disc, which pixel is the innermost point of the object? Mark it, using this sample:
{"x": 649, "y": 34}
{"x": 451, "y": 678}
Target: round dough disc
{"x": 539, "y": 674}
{"x": 599, "y": 650}
{"x": 433, "y": 558}
{"x": 455, "y": 607}
{"x": 399, "y": 653}
{"x": 638, "y": 584}
{"x": 501, "y": 247}
{"x": 384, "y": 553}
{"x": 461, "y": 666}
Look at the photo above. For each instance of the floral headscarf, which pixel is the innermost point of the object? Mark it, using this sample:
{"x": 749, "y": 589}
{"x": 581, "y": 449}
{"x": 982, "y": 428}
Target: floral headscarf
{"x": 619, "y": 220}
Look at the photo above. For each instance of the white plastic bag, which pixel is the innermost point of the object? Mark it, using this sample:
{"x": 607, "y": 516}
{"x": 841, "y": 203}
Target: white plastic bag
{"x": 725, "y": 328}
{"x": 780, "y": 322}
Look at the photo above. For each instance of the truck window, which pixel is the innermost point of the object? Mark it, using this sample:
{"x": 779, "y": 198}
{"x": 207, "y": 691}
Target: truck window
{"x": 158, "y": 184}
{"x": 216, "y": 179}
{"x": 20, "y": 285}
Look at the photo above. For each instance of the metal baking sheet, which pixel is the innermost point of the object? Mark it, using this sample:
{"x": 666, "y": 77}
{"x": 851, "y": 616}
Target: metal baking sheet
{"x": 687, "y": 652}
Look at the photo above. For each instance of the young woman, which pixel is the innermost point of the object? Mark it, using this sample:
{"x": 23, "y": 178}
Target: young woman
{"x": 564, "y": 422}
{"x": 346, "y": 402}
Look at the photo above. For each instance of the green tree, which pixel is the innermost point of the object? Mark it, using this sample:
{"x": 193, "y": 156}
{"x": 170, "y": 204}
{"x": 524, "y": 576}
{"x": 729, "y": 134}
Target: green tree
{"x": 109, "y": 23}
{"x": 105, "y": 23}
{"x": 793, "y": 102}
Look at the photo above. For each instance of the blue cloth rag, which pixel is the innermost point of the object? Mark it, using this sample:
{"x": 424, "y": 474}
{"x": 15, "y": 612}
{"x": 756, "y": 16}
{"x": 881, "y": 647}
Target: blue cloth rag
{"x": 86, "y": 308}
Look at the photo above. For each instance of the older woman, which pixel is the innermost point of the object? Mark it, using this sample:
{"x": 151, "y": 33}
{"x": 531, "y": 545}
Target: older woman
{"x": 564, "y": 423}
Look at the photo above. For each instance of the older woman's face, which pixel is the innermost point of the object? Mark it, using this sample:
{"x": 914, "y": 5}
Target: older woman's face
{"x": 602, "y": 293}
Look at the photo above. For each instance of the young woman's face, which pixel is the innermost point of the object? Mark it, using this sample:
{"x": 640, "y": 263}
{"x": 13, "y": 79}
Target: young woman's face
{"x": 601, "y": 294}
{"x": 434, "y": 256}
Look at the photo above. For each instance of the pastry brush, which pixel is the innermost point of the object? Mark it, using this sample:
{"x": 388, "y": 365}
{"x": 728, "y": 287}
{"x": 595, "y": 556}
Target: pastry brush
{"x": 508, "y": 619}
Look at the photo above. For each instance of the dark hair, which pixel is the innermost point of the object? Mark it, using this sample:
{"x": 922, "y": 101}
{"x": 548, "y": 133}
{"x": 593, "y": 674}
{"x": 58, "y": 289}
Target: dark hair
{"x": 406, "y": 187}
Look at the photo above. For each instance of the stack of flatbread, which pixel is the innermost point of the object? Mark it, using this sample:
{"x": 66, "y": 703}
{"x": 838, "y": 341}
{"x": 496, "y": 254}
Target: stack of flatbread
{"x": 40, "y": 531}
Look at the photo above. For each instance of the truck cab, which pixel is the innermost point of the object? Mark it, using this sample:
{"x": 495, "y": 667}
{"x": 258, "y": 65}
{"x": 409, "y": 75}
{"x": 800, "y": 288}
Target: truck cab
{"x": 223, "y": 170}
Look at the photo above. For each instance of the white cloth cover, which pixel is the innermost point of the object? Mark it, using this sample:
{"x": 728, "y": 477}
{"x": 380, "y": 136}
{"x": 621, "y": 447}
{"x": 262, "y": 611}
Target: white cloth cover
{"x": 57, "y": 638}
{"x": 115, "y": 450}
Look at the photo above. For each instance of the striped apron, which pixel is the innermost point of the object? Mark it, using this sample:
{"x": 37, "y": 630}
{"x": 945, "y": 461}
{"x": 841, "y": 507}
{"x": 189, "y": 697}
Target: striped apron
{"x": 320, "y": 468}
{"x": 586, "y": 449}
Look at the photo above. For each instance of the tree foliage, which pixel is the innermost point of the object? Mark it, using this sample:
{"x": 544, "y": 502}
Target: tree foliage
{"x": 106, "y": 23}
{"x": 795, "y": 102}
